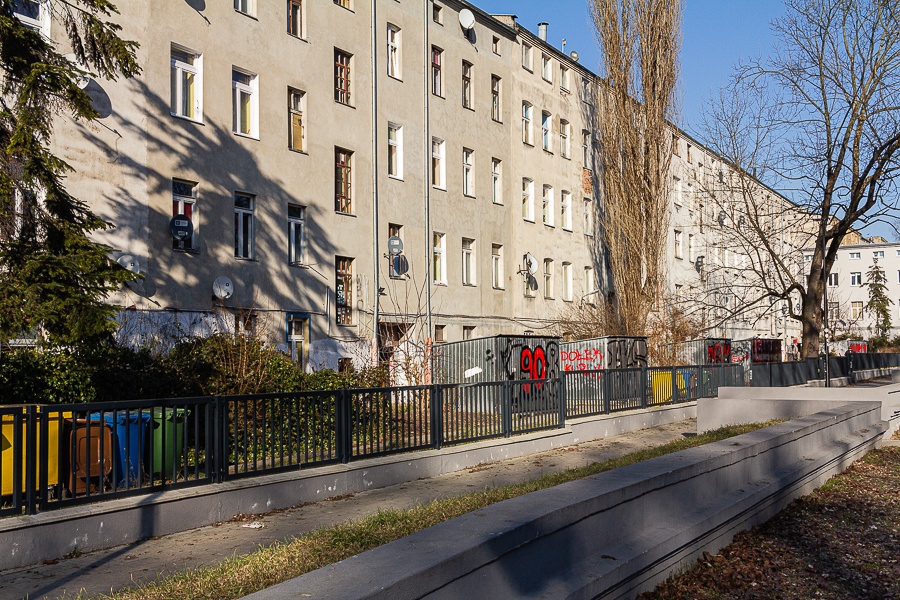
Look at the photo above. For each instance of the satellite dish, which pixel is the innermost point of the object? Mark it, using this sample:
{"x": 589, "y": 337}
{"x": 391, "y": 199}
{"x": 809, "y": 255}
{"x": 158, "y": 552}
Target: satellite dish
{"x": 531, "y": 263}
{"x": 574, "y": 55}
{"x": 130, "y": 263}
{"x": 395, "y": 245}
{"x": 223, "y": 288}
{"x": 181, "y": 227}
{"x": 466, "y": 19}
{"x": 721, "y": 218}
{"x": 82, "y": 77}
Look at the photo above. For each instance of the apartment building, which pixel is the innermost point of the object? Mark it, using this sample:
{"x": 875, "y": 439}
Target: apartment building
{"x": 295, "y": 141}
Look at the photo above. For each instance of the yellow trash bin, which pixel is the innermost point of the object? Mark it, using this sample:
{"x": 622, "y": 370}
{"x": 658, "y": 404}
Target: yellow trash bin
{"x": 9, "y": 439}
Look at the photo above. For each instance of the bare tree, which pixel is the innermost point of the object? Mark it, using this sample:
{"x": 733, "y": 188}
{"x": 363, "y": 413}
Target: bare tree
{"x": 639, "y": 42}
{"x": 819, "y": 118}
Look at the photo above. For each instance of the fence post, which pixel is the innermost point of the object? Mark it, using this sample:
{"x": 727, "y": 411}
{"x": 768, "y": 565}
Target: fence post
{"x": 563, "y": 399}
{"x": 437, "y": 403}
{"x": 43, "y": 457}
{"x": 604, "y": 383}
{"x": 31, "y": 460}
{"x": 219, "y": 428}
{"x": 506, "y": 408}
{"x": 644, "y": 386}
{"x": 344, "y": 428}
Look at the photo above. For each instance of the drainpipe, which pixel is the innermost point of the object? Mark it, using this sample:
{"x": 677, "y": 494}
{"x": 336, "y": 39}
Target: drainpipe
{"x": 427, "y": 178}
{"x": 375, "y": 226}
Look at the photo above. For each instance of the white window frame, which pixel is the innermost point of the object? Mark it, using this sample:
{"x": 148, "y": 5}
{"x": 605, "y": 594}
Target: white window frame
{"x": 878, "y": 254}
{"x": 393, "y": 59}
{"x": 548, "y": 204}
{"x": 297, "y": 110}
{"x": 178, "y": 68}
{"x": 244, "y": 225}
{"x": 468, "y": 173}
{"x": 563, "y": 78}
{"x": 251, "y": 89}
{"x": 547, "y": 131}
{"x": 587, "y": 159}
{"x": 295, "y": 26}
{"x": 565, "y": 134}
{"x": 496, "y": 181}
{"x": 856, "y": 309}
{"x": 527, "y": 123}
{"x": 565, "y": 204}
{"x": 548, "y": 278}
{"x": 527, "y": 57}
{"x": 179, "y": 207}
{"x": 679, "y": 244}
{"x": 590, "y": 285}
{"x": 497, "y": 266}
{"x": 496, "y": 99}
{"x": 855, "y": 255}
{"x": 588, "y": 217}
{"x": 528, "y": 199}
{"x": 395, "y": 151}
{"x": 856, "y": 278}
{"x": 469, "y": 262}
{"x": 439, "y": 258}
{"x": 677, "y": 191}
{"x": 586, "y": 93}
{"x": 546, "y": 68}
{"x": 438, "y": 164}
{"x": 296, "y": 235}
{"x": 437, "y": 71}
{"x": 568, "y": 290}
{"x": 467, "y": 85}
{"x": 41, "y": 22}
{"x": 246, "y": 7}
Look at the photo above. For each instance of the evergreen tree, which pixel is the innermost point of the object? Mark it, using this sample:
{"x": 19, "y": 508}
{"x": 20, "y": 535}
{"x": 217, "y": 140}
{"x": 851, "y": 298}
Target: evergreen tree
{"x": 53, "y": 276}
{"x": 879, "y": 305}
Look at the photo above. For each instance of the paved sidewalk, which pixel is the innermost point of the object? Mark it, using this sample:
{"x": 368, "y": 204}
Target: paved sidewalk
{"x": 102, "y": 571}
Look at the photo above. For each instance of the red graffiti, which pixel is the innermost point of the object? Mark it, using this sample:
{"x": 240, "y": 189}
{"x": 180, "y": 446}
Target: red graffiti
{"x": 718, "y": 353}
{"x": 585, "y": 359}
{"x": 534, "y": 365}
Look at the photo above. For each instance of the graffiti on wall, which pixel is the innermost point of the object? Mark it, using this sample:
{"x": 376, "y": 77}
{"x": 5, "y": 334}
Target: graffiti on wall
{"x": 523, "y": 359}
{"x": 605, "y": 353}
{"x": 626, "y": 353}
{"x": 718, "y": 352}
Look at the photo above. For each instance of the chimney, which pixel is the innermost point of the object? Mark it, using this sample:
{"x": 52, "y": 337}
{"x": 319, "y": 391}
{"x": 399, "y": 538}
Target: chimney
{"x": 542, "y": 31}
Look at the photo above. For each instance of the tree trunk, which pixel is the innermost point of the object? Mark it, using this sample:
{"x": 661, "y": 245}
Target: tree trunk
{"x": 812, "y": 309}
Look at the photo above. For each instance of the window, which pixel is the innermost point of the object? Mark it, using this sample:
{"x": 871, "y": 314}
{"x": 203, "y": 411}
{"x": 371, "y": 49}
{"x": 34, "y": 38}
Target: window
{"x": 436, "y": 58}
{"x": 497, "y": 266}
{"x": 296, "y": 234}
{"x": 546, "y": 68}
{"x": 468, "y": 261}
{"x": 854, "y": 255}
{"x": 526, "y": 124}
{"x": 832, "y": 279}
{"x": 343, "y": 3}
{"x": 343, "y": 290}
{"x": 244, "y": 103}
{"x": 437, "y": 163}
{"x": 438, "y": 264}
{"x": 32, "y": 13}
{"x": 548, "y": 212}
{"x": 495, "y": 98}
{"x": 296, "y": 108}
{"x": 807, "y": 257}
{"x": 243, "y": 225}
{"x": 546, "y": 130}
{"x": 393, "y": 51}
{"x": 297, "y": 335}
{"x": 468, "y": 183}
{"x": 548, "y": 278}
{"x": 526, "y": 56}
{"x": 496, "y": 182}
{"x": 678, "y": 245}
{"x": 564, "y": 78}
{"x": 186, "y": 84}
{"x": 295, "y": 18}
{"x": 589, "y": 286}
{"x": 495, "y": 45}
{"x": 395, "y": 151}
{"x": 878, "y": 254}
{"x": 691, "y": 247}
{"x": 586, "y": 95}
{"x": 588, "y": 217}
{"x": 245, "y": 6}
{"x": 688, "y": 156}
{"x": 437, "y": 14}
{"x": 586, "y": 161}
{"x": 343, "y": 181}
{"x": 440, "y": 333}
{"x": 567, "y": 281}
{"x": 677, "y": 191}
{"x": 528, "y": 199}
{"x": 565, "y": 203}
{"x": 676, "y": 145}
{"x": 856, "y": 278}
{"x": 342, "y": 64}
{"x": 395, "y": 230}
{"x": 466, "y": 84}
{"x": 184, "y": 201}
{"x": 856, "y": 309}
{"x": 564, "y": 134}
{"x": 468, "y": 332}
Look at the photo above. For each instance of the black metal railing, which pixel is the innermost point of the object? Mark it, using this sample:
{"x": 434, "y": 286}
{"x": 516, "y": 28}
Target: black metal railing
{"x": 66, "y": 454}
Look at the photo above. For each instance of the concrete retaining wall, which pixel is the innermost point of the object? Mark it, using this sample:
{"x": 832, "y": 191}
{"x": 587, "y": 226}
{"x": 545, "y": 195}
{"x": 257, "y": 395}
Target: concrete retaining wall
{"x": 50, "y": 535}
{"x": 612, "y": 535}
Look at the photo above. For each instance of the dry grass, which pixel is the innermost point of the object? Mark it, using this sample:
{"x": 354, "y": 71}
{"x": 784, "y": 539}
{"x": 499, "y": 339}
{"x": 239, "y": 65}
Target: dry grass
{"x": 241, "y": 575}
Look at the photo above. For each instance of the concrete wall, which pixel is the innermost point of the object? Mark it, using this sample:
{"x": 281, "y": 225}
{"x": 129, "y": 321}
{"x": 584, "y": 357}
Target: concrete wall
{"x": 612, "y": 535}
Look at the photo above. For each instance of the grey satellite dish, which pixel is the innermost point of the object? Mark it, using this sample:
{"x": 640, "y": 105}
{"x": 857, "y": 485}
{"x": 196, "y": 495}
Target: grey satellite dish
{"x": 466, "y": 19}
{"x": 82, "y": 78}
{"x": 130, "y": 263}
{"x": 181, "y": 227}
{"x": 395, "y": 245}
{"x": 574, "y": 55}
{"x": 721, "y": 218}
{"x": 223, "y": 288}
{"x": 531, "y": 263}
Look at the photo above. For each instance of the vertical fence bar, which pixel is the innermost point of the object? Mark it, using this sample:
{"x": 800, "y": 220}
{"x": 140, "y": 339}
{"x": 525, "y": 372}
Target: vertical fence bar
{"x": 31, "y": 447}
{"x": 437, "y": 416}
{"x": 561, "y": 399}
{"x": 506, "y": 409}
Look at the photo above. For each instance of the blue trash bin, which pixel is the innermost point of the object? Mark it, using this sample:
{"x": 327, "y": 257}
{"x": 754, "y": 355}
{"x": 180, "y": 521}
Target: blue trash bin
{"x": 131, "y": 430}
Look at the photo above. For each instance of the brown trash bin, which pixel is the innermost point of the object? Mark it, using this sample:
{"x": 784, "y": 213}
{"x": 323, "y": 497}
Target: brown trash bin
{"x": 87, "y": 439}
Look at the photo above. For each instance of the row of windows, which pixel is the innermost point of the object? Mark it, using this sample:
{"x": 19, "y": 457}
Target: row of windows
{"x": 469, "y": 269}
{"x": 854, "y": 255}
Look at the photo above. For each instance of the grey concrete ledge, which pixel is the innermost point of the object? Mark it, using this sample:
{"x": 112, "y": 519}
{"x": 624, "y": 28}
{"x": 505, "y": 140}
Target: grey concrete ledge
{"x": 612, "y": 535}
{"x": 52, "y": 534}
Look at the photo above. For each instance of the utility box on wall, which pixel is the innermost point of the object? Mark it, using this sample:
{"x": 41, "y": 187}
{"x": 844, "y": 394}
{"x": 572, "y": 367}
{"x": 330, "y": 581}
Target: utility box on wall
{"x": 708, "y": 351}
{"x": 497, "y": 358}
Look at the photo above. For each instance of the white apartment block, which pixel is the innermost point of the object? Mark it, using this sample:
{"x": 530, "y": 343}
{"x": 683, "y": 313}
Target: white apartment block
{"x": 298, "y": 136}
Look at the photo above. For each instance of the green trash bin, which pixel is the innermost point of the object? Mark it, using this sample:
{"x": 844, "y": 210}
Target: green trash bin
{"x": 168, "y": 440}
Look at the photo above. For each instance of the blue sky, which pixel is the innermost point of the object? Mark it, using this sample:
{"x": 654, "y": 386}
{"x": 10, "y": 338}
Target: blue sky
{"x": 717, "y": 34}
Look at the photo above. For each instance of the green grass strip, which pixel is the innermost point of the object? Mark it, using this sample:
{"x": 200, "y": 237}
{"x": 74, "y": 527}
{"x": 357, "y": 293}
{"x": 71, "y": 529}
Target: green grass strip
{"x": 241, "y": 575}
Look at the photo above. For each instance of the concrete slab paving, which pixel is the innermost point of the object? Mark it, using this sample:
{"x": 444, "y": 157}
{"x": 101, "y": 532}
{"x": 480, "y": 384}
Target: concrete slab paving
{"x": 103, "y": 571}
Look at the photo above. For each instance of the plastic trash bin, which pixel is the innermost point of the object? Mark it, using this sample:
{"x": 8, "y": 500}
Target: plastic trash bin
{"x": 10, "y": 439}
{"x": 91, "y": 445}
{"x": 131, "y": 432}
{"x": 168, "y": 439}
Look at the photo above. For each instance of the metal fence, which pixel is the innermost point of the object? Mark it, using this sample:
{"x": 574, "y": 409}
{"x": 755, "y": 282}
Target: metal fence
{"x": 63, "y": 455}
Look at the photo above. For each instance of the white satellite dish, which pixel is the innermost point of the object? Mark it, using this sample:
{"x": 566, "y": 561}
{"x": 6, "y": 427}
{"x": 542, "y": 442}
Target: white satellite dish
{"x": 130, "y": 263}
{"x": 531, "y": 263}
{"x": 466, "y": 19}
{"x": 574, "y": 55}
{"x": 82, "y": 79}
{"x": 223, "y": 288}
